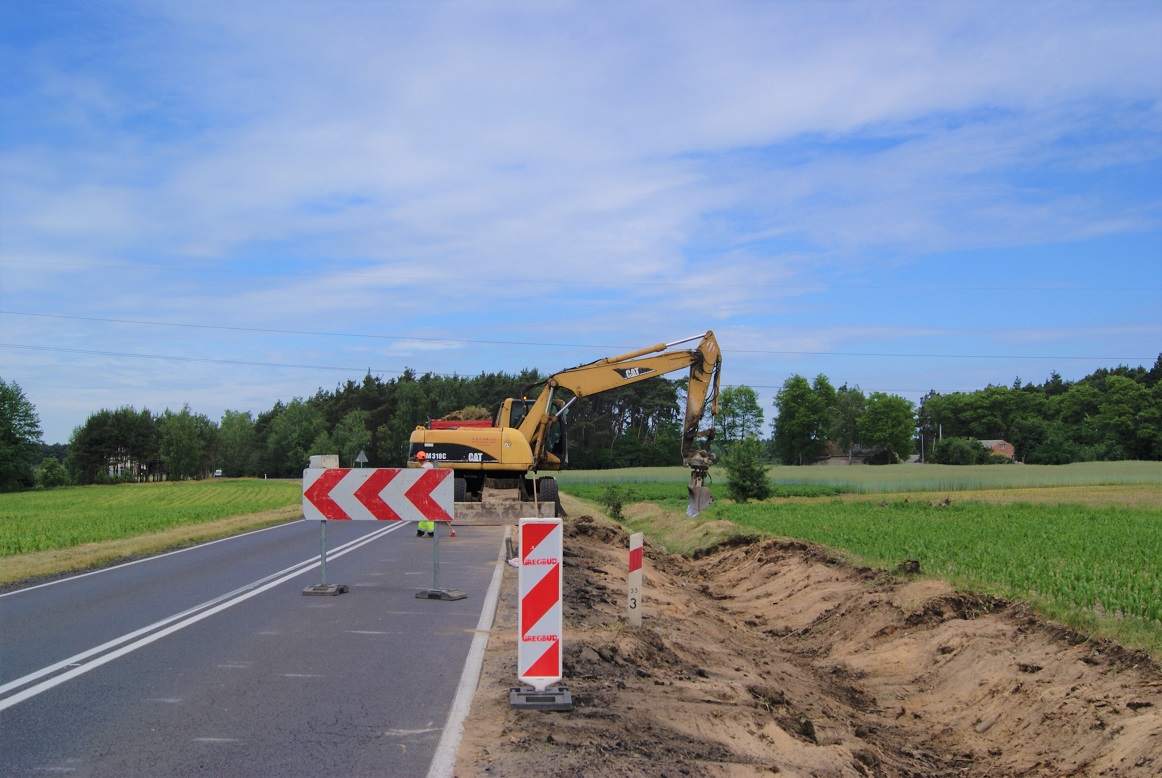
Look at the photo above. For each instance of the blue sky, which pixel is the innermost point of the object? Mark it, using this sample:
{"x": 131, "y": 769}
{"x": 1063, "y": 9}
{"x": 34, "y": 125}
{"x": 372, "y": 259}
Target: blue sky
{"x": 229, "y": 204}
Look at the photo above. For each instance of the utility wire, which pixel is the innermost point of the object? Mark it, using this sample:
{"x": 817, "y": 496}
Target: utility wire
{"x": 372, "y": 336}
{"x": 248, "y": 363}
{"x": 388, "y": 274}
{"x": 343, "y": 368}
{"x": 375, "y": 336}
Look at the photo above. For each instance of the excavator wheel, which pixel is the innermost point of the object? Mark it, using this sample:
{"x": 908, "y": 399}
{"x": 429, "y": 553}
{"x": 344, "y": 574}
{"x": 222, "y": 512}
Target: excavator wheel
{"x": 547, "y": 489}
{"x": 460, "y": 490}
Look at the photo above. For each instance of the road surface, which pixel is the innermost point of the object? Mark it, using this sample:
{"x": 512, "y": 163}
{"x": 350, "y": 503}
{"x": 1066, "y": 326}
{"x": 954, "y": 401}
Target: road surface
{"x": 211, "y": 661}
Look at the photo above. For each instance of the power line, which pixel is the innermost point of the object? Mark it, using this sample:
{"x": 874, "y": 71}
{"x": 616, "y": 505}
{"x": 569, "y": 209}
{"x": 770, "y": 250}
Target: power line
{"x": 507, "y": 281}
{"x": 371, "y": 336}
{"x": 247, "y": 363}
{"x": 343, "y": 368}
{"x": 375, "y": 336}
{"x": 932, "y": 356}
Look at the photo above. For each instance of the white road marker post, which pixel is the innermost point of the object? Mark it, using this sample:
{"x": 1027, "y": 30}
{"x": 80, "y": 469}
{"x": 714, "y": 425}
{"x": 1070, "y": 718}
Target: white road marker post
{"x": 539, "y": 612}
{"x": 634, "y": 580}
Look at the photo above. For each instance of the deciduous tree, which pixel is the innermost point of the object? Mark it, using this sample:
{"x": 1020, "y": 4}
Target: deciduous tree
{"x": 351, "y": 436}
{"x": 236, "y": 444}
{"x": 739, "y": 415}
{"x": 800, "y": 433}
{"x": 19, "y": 437}
{"x": 181, "y": 445}
{"x": 52, "y": 474}
{"x": 292, "y": 434}
{"x": 843, "y": 418}
{"x": 889, "y": 422}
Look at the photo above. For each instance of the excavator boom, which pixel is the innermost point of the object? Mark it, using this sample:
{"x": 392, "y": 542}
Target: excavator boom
{"x": 527, "y": 434}
{"x": 640, "y": 365}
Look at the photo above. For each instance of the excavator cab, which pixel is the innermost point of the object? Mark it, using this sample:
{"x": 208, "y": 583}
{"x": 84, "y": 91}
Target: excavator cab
{"x": 512, "y": 413}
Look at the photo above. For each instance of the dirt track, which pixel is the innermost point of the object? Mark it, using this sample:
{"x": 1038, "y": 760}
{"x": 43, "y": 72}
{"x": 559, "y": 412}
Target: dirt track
{"x": 768, "y": 657}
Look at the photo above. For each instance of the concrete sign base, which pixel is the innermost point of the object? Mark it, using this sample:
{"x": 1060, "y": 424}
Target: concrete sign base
{"x": 325, "y": 590}
{"x": 440, "y": 594}
{"x": 553, "y": 698}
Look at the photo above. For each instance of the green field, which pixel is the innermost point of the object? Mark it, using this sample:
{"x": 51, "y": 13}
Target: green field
{"x": 63, "y": 518}
{"x": 865, "y": 479}
{"x": 1104, "y": 560}
{"x": 1096, "y": 567}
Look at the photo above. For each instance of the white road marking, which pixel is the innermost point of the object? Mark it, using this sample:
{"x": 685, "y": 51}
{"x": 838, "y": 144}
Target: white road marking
{"x": 444, "y": 760}
{"x": 147, "y": 635}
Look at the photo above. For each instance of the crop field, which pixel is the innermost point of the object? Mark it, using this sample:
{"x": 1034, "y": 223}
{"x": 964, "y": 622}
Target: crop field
{"x": 62, "y": 518}
{"x": 1102, "y": 560}
{"x": 865, "y": 479}
{"x": 1096, "y": 567}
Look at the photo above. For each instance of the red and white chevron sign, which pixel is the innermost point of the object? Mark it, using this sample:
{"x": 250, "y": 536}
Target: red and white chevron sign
{"x": 539, "y": 620}
{"x": 377, "y": 494}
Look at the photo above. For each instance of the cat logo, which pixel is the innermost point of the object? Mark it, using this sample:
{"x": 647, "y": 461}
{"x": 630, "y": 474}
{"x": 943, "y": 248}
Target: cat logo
{"x": 475, "y": 456}
{"x": 634, "y": 372}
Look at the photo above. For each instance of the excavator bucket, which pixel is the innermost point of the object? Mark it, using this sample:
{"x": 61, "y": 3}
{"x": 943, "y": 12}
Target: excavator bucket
{"x": 699, "y": 494}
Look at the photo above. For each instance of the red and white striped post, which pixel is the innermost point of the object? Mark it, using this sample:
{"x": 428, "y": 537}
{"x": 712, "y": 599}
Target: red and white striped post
{"x": 539, "y": 620}
{"x": 634, "y": 580}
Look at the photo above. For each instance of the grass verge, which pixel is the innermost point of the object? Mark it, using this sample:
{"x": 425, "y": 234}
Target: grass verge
{"x": 52, "y": 519}
{"x": 45, "y": 533}
{"x": 87, "y": 556}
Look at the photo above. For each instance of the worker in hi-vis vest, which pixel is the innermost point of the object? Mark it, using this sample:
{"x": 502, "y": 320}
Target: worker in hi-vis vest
{"x": 425, "y": 527}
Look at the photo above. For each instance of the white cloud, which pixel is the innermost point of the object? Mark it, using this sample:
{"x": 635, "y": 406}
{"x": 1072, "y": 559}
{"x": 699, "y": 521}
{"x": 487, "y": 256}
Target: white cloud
{"x": 564, "y": 172}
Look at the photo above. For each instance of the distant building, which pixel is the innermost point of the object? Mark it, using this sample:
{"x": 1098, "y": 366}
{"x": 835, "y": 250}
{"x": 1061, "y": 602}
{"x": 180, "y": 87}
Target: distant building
{"x": 859, "y": 455}
{"x": 998, "y": 447}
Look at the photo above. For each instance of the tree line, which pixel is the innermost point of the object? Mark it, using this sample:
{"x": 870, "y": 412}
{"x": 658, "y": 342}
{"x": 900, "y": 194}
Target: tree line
{"x": 1109, "y": 414}
{"x": 636, "y": 425}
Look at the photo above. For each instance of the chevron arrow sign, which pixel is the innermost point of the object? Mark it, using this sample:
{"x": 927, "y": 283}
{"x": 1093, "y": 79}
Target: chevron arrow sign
{"x": 377, "y": 494}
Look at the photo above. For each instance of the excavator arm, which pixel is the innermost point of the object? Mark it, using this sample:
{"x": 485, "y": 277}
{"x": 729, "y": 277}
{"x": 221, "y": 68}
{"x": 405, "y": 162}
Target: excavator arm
{"x": 704, "y": 363}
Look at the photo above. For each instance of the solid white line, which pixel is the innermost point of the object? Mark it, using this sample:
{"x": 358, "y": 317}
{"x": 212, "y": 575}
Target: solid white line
{"x": 242, "y": 594}
{"x": 444, "y": 760}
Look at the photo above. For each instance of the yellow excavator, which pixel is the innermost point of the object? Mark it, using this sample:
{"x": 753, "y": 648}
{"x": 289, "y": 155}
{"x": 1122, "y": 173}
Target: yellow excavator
{"x": 493, "y": 458}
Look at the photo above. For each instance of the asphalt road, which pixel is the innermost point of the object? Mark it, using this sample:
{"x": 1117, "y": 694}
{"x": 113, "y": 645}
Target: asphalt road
{"x": 211, "y": 661}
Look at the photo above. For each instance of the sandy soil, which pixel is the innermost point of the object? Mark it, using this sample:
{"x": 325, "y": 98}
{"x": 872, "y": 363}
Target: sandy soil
{"x": 769, "y": 657}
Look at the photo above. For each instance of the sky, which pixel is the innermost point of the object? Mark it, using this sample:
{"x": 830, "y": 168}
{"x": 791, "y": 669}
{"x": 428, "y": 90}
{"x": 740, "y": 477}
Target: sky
{"x": 228, "y": 204}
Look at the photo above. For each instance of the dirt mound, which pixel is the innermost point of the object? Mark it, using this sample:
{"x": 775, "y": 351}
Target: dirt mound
{"x": 765, "y": 657}
{"x": 470, "y": 413}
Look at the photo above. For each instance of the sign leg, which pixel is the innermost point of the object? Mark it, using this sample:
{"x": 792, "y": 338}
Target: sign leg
{"x": 323, "y": 552}
{"x": 436, "y": 593}
{"x": 436, "y": 558}
{"x": 322, "y": 588}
